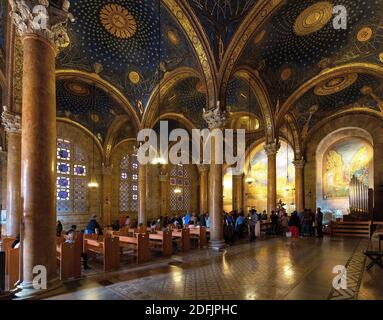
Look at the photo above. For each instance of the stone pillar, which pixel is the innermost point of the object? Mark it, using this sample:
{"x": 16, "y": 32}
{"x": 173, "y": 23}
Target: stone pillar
{"x": 142, "y": 215}
{"x": 216, "y": 119}
{"x": 107, "y": 193}
{"x": 238, "y": 192}
{"x": 40, "y": 40}
{"x": 271, "y": 152}
{"x": 203, "y": 191}
{"x": 299, "y": 185}
{"x": 164, "y": 186}
{"x": 12, "y": 125}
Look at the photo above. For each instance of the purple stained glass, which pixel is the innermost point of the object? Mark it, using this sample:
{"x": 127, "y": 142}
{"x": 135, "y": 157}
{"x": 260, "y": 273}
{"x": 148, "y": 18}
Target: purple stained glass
{"x": 63, "y": 182}
{"x": 64, "y": 154}
{"x": 79, "y": 170}
{"x": 62, "y": 194}
{"x": 64, "y": 168}
{"x": 180, "y": 182}
{"x": 172, "y": 181}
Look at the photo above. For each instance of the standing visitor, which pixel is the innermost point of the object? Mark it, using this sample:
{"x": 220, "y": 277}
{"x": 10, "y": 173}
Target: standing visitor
{"x": 319, "y": 222}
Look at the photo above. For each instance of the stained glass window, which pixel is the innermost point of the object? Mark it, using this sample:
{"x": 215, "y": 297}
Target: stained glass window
{"x": 129, "y": 184}
{"x": 180, "y": 189}
{"x": 72, "y": 192}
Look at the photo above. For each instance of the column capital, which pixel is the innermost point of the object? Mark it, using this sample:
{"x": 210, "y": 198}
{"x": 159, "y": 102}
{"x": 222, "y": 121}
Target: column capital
{"x": 39, "y": 18}
{"x": 272, "y": 148}
{"x": 215, "y": 117}
{"x": 299, "y": 164}
{"x": 163, "y": 177}
{"x": 11, "y": 121}
{"x": 202, "y": 168}
{"x": 107, "y": 170}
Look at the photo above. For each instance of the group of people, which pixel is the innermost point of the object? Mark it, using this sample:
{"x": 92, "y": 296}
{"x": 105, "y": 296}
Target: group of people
{"x": 306, "y": 224}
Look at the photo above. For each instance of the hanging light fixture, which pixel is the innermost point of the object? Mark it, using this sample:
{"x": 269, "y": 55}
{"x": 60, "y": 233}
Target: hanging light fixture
{"x": 177, "y": 190}
{"x": 93, "y": 184}
{"x": 249, "y": 177}
{"x": 159, "y": 160}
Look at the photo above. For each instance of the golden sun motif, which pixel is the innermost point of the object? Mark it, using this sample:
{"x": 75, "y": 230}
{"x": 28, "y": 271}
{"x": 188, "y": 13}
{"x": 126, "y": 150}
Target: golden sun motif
{"x": 134, "y": 77}
{"x": 173, "y": 37}
{"x": 313, "y": 19}
{"x": 118, "y": 21}
{"x": 77, "y": 88}
{"x": 364, "y": 34}
{"x": 335, "y": 85}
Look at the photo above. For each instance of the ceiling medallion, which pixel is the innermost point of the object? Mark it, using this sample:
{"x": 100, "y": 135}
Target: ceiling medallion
{"x": 173, "y": 37}
{"x": 134, "y": 77}
{"x": 118, "y": 21}
{"x": 95, "y": 117}
{"x": 77, "y": 88}
{"x": 313, "y": 18}
{"x": 286, "y": 74}
{"x": 335, "y": 85}
{"x": 364, "y": 34}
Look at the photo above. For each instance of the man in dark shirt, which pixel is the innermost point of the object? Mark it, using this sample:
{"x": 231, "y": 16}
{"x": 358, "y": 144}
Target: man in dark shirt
{"x": 93, "y": 226}
{"x": 319, "y": 221}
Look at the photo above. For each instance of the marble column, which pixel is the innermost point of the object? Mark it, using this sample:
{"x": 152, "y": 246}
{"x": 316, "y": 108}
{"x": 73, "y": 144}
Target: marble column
{"x": 203, "y": 183}
{"x": 271, "y": 152}
{"x": 216, "y": 119}
{"x": 238, "y": 192}
{"x": 142, "y": 214}
{"x": 40, "y": 43}
{"x": 299, "y": 185}
{"x": 107, "y": 193}
{"x": 12, "y": 125}
{"x": 164, "y": 186}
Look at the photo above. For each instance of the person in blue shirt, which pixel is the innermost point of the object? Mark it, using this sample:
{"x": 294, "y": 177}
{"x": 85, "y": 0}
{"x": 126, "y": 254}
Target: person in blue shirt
{"x": 93, "y": 226}
{"x": 240, "y": 224}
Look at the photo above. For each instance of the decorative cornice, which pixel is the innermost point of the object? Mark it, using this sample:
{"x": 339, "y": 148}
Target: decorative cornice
{"x": 271, "y": 149}
{"x": 37, "y": 17}
{"x": 216, "y": 118}
{"x": 11, "y": 121}
{"x": 299, "y": 164}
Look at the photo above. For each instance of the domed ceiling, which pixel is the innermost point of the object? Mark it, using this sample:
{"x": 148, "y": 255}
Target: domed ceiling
{"x": 220, "y": 19}
{"x": 299, "y": 41}
{"x": 87, "y": 105}
{"x": 121, "y": 42}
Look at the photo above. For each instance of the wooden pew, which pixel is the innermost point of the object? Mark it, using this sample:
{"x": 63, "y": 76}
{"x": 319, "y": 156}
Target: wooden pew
{"x": 109, "y": 248}
{"x": 200, "y": 235}
{"x": 184, "y": 236}
{"x": 162, "y": 240}
{"x": 139, "y": 243}
{"x": 12, "y": 258}
{"x": 7, "y": 244}
{"x": 69, "y": 257}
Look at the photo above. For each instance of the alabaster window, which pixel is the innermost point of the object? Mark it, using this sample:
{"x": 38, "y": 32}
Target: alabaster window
{"x": 180, "y": 189}
{"x": 72, "y": 178}
{"x": 129, "y": 184}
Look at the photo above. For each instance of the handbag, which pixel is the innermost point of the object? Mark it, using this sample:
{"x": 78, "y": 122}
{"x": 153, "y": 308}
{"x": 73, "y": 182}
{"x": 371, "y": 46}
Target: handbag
{"x": 288, "y": 234}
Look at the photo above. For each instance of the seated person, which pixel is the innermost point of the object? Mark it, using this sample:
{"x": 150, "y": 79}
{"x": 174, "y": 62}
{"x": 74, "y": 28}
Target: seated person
{"x": 70, "y": 240}
{"x": 73, "y": 228}
{"x": 93, "y": 226}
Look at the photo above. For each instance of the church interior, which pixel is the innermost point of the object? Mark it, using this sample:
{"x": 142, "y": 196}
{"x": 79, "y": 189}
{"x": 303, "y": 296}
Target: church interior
{"x": 82, "y": 218}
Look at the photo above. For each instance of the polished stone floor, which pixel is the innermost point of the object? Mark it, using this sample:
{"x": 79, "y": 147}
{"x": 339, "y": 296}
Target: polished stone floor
{"x": 276, "y": 268}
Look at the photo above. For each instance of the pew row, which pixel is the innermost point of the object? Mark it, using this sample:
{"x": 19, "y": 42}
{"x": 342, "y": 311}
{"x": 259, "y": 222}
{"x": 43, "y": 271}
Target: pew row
{"x": 109, "y": 248}
{"x": 161, "y": 240}
{"x": 139, "y": 243}
{"x": 68, "y": 256}
{"x": 200, "y": 235}
{"x": 182, "y": 236}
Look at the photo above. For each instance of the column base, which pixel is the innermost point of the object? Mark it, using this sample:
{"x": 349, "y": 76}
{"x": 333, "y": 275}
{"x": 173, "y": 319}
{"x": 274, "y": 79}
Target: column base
{"x": 25, "y": 291}
{"x": 218, "y": 245}
{"x": 7, "y": 295}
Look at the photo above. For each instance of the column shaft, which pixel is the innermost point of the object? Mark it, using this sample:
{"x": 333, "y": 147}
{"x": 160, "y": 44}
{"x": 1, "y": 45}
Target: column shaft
{"x": 238, "y": 192}
{"x": 271, "y": 151}
{"x": 203, "y": 197}
{"x": 38, "y": 152}
{"x": 142, "y": 216}
{"x": 299, "y": 185}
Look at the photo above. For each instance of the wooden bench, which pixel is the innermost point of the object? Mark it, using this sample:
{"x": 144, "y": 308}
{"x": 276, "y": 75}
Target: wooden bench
{"x": 69, "y": 257}
{"x": 139, "y": 243}
{"x": 162, "y": 240}
{"x": 109, "y": 248}
{"x": 12, "y": 259}
{"x": 7, "y": 244}
{"x": 200, "y": 235}
{"x": 182, "y": 236}
{"x": 351, "y": 229}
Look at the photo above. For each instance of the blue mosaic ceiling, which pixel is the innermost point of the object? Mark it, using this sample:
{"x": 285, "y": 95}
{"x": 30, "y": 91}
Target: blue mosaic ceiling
{"x": 120, "y": 41}
{"x": 220, "y": 19}
{"x": 87, "y": 105}
{"x": 188, "y": 97}
{"x": 287, "y": 53}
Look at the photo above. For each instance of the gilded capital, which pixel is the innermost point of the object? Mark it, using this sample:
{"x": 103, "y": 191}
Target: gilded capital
{"x": 299, "y": 164}
{"x": 202, "y": 168}
{"x": 272, "y": 148}
{"x": 11, "y": 121}
{"x": 215, "y": 118}
{"x": 39, "y": 18}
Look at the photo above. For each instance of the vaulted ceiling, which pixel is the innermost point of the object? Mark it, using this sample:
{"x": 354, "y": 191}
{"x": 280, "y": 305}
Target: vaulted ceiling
{"x": 306, "y": 69}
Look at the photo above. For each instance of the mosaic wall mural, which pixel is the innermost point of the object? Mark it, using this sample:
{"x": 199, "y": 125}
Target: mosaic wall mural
{"x": 343, "y": 160}
{"x": 257, "y": 192}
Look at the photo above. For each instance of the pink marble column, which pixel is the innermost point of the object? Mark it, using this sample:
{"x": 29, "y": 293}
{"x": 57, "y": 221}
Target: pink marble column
{"x": 216, "y": 119}
{"x": 238, "y": 192}
{"x": 203, "y": 193}
{"x": 299, "y": 185}
{"x": 38, "y": 142}
{"x": 12, "y": 124}
{"x": 271, "y": 152}
{"x": 142, "y": 214}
